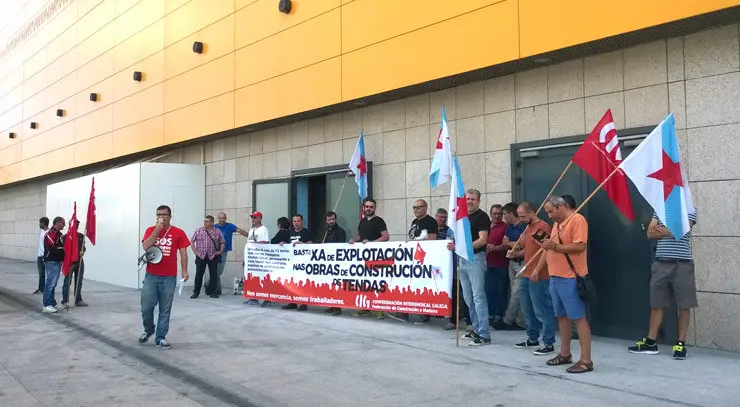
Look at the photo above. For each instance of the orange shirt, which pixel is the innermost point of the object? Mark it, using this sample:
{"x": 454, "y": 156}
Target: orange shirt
{"x": 574, "y": 231}
{"x": 531, "y": 248}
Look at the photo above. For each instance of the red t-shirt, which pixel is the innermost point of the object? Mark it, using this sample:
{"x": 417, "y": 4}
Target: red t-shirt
{"x": 496, "y": 237}
{"x": 170, "y": 240}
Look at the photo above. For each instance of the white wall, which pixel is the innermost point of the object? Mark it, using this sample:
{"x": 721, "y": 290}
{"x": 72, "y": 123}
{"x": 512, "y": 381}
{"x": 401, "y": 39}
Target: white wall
{"x": 126, "y": 200}
{"x": 182, "y": 188}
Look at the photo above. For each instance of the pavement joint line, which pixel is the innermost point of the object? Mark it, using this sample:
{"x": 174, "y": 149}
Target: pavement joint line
{"x": 213, "y": 390}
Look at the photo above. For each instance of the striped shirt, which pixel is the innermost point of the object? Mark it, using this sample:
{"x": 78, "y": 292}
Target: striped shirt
{"x": 670, "y": 248}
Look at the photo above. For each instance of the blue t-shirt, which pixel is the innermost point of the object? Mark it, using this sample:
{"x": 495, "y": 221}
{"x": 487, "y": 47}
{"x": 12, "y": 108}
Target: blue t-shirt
{"x": 514, "y": 231}
{"x": 227, "y": 230}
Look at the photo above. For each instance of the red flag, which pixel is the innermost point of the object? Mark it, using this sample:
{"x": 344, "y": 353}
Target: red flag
{"x": 90, "y": 226}
{"x": 599, "y": 156}
{"x": 71, "y": 247}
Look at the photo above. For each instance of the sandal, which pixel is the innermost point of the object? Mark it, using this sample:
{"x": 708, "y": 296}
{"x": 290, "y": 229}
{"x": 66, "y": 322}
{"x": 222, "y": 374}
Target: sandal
{"x": 581, "y": 367}
{"x": 560, "y": 360}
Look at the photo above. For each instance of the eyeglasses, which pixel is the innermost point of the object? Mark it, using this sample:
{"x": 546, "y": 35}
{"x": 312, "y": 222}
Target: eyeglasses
{"x": 419, "y": 207}
{"x": 163, "y": 214}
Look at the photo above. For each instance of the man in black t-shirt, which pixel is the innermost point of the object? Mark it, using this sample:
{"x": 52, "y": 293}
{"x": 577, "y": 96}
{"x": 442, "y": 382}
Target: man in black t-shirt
{"x": 298, "y": 235}
{"x": 334, "y": 234}
{"x": 473, "y": 273}
{"x": 371, "y": 229}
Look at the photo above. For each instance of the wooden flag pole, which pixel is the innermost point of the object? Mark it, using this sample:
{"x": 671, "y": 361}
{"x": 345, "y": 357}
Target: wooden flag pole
{"x": 457, "y": 310}
{"x": 585, "y": 201}
{"x": 336, "y": 205}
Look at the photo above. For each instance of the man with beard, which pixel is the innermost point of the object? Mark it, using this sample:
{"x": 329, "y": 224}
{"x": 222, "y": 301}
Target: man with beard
{"x": 370, "y": 229}
{"x": 298, "y": 235}
{"x": 334, "y": 234}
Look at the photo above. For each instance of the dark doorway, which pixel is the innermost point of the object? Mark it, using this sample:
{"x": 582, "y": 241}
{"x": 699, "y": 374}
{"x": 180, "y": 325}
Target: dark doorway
{"x": 619, "y": 254}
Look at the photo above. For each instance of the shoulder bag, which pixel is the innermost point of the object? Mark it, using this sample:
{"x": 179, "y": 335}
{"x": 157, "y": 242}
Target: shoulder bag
{"x": 217, "y": 259}
{"x": 585, "y": 285}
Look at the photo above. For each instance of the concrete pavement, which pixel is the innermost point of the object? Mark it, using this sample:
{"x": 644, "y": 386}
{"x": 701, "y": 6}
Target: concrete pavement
{"x": 228, "y": 354}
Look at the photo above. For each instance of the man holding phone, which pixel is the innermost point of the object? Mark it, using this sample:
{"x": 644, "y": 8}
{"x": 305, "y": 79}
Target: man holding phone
{"x": 161, "y": 278}
{"x": 535, "y": 288}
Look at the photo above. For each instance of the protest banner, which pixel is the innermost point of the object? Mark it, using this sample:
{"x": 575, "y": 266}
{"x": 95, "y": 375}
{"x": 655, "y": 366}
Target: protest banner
{"x": 409, "y": 277}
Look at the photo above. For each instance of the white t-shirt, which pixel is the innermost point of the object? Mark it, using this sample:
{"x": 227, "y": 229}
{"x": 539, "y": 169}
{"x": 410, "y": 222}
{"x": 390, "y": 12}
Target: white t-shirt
{"x": 41, "y": 243}
{"x": 259, "y": 234}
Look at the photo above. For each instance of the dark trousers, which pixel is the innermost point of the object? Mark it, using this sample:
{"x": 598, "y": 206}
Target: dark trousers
{"x": 74, "y": 278}
{"x": 42, "y": 273}
{"x": 497, "y": 291}
{"x": 200, "y": 269}
{"x": 463, "y": 305}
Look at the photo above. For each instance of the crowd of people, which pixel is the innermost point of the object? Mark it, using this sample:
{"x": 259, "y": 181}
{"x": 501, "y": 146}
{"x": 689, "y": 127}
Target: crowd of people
{"x": 498, "y": 291}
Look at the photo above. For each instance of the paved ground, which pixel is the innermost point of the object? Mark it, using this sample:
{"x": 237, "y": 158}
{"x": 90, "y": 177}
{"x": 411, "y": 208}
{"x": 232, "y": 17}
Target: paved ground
{"x": 228, "y": 354}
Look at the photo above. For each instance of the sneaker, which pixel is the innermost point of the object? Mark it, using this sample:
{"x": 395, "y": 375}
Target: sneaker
{"x": 480, "y": 341}
{"x": 80, "y": 303}
{"x": 163, "y": 344}
{"x": 499, "y": 325}
{"x": 379, "y": 315}
{"x": 643, "y": 348}
{"x": 362, "y": 313}
{"x": 302, "y": 307}
{"x": 545, "y": 350}
{"x": 469, "y": 335}
{"x": 679, "y": 351}
{"x": 526, "y": 344}
{"x": 194, "y": 296}
{"x": 49, "y": 309}
{"x": 424, "y": 319}
{"x": 329, "y": 310}
{"x": 450, "y": 326}
{"x": 289, "y": 306}
{"x": 144, "y": 338}
{"x": 400, "y": 317}
{"x": 265, "y": 304}
{"x": 336, "y": 312}
{"x": 37, "y": 292}
{"x": 251, "y": 302}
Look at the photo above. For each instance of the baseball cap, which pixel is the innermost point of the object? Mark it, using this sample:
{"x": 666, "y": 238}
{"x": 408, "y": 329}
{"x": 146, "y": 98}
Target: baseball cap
{"x": 256, "y": 214}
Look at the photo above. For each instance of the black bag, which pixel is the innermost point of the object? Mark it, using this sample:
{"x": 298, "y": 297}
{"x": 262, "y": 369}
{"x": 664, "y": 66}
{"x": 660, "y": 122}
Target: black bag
{"x": 585, "y": 285}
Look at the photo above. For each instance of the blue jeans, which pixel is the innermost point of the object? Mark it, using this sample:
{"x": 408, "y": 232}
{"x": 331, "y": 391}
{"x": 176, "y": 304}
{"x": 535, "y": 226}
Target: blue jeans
{"x": 52, "y": 268}
{"x": 538, "y": 313}
{"x": 565, "y": 299}
{"x": 157, "y": 291}
{"x": 473, "y": 283}
{"x": 497, "y": 284}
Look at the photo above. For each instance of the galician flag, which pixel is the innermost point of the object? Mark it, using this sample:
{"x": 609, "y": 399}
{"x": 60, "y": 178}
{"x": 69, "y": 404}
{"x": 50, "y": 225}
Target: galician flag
{"x": 440, "y": 172}
{"x": 655, "y": 169}
{"x": 358, "y": 166}
{"x": 458, "y": 219}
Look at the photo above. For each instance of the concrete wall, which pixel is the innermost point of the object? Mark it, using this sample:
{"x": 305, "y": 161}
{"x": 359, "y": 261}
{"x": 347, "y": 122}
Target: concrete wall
{"x": 697, "y": 77}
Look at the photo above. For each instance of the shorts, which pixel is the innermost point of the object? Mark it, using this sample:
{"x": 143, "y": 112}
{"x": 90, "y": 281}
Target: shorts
{"x": 565, "y": 299}
{"x": 673, "y": 281}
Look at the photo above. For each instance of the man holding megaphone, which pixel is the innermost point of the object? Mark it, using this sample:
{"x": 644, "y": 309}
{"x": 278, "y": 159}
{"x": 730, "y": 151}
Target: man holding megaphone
{"x": 161, "y": 277}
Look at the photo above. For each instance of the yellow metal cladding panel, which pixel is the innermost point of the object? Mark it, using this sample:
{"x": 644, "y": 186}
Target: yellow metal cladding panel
{"x": 62, "y": 44}
{"x": 11, "y": 99}
{"x": 11, "y": 117}
{"x": 104, "y": 90}
{"x": 95, "y": 45}
{"x": 305, "y": 44}
{"x": 138, "y": 18}
{"x": 489, "y": 36}
{"x": 11, "y": 80}
{"x": 217, "y": 39}
{"x": 59, "y": 137}
{"x": 297, "y": 91}
{"x": 124, "y": 84}
{"x": 34, "y": 104}
{"x": 61, "y": 89}
{"x": 139, "y": 137}
{"x": 63, "y": 66}
{"x": 10, "y": 155}
{"x": 95, "y": 71}
{"x": 32, "y": 147}
{"x": 140, "y": 46}
{"x": 124, "y": 5}
{"x": 34, "y": 84}
{"x": 35, "y": 63}
{"x": 194, "y": 16}
{"x": 86, "y": 6}
{"x": 94, "y": 124}
{"x": 207, "y": 117}
{"x": 550, "y": 25}
{"x": 96, "y": 19}
{"x": 10, "y": 173}
{"x": 238, "y": 4}
{"x": 59, "y": 160}
{"x": 96, "y": 149}
{"x": 141, "y": 106}
{"x": 204, "y": 82}
{"x": 171, "y": 5}
{"x": 366, "y": 22}
{"x": 33, "y": 167}
{"x": 262, "y": 19}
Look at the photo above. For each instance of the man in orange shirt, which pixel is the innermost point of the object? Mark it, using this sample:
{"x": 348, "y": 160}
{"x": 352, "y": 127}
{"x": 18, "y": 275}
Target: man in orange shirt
{"x": 535, "y": 288}
{"x": 564, "y": 257}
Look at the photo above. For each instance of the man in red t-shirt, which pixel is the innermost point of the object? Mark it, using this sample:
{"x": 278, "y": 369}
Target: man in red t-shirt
{"x": 161, "y": 278}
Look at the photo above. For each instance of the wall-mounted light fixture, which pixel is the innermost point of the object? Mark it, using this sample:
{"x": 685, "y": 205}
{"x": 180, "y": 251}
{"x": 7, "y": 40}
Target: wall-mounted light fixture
{"x": 93, "y": 97}
{"x": 60, "y": 112}
{"x": 137, "y": 76}
{"x": 284, "y": 6}
{"x": 34, "y": 125}
{"x": 11, "y": 135}
{"x": 198, "y": 47}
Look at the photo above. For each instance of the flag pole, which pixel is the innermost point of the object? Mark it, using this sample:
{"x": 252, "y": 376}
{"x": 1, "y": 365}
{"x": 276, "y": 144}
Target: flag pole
{"x": 336, "y": 205}
{"x": 578, "y": 209}
{"x": 457, "y": 303}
